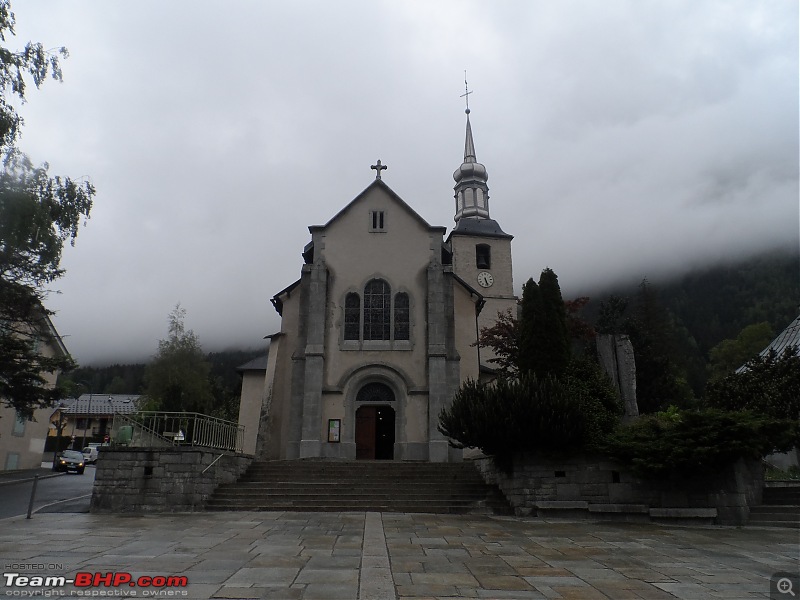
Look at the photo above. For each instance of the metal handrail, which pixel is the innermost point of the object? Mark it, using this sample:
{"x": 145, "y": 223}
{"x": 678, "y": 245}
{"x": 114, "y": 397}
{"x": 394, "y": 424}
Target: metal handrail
{"x": 150, "y": 429}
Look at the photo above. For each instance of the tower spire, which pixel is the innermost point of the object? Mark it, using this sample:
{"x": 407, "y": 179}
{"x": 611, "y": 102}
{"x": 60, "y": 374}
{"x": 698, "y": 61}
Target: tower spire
{"x": 469, "y": 145}
{"x": 471, "y": 190}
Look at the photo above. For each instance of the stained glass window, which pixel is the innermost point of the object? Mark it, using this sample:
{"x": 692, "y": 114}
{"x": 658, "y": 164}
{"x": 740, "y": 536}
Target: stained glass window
{"x": 401, "y": 316}
{"x": 377, "y": 310}
{"x": 375, "y": 392}
{"x": 352, "y": 316}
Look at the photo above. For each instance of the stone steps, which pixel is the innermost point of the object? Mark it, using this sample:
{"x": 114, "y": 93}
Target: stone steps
{"x": 780, "y": 508}
{"x": 319, "y": 485}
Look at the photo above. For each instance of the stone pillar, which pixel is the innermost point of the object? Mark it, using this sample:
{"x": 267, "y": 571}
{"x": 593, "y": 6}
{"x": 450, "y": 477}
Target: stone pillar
{"x": 615, "y": 352}
{"x": 440, "y": 309}
{"x": 311, "y": 444}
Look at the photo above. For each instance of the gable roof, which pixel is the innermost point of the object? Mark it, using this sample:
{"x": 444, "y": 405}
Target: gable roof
{"x": 101, "y": 404}
{"x": 378, "y": 183}
{"x": 257, "y": 364}
{"x": 787, "y": 338}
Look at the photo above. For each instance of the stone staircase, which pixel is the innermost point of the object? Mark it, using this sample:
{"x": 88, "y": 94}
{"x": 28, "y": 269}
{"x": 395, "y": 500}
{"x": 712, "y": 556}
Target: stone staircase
{"x": 780, "y": 508}
{"x": 384, "y": 486}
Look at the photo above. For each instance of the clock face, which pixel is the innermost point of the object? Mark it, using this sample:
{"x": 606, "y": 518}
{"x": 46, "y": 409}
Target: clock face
{"x": 485, "y": 279}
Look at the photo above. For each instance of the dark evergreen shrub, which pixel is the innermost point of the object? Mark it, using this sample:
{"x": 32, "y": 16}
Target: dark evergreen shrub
{"x": 531, "y": 414}
{"x": 600, "y": 405}
{"x": 769, "y": 385}
{"x": 679, "y": 444}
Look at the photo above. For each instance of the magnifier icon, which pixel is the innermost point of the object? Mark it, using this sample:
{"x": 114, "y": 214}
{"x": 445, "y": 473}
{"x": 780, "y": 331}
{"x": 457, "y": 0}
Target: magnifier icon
{"x": 784, "y": 586}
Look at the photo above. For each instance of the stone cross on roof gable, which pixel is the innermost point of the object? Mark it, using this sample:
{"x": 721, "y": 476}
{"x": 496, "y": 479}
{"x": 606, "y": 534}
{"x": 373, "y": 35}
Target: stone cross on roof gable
{"x": 378, "y": 167}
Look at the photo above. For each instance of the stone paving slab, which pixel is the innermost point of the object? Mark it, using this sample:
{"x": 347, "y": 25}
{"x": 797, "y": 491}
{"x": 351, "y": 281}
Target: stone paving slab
{"x": 308, "y": 556}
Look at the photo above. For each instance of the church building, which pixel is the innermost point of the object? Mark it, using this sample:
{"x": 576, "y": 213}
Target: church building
{"x": 380, "y": 329}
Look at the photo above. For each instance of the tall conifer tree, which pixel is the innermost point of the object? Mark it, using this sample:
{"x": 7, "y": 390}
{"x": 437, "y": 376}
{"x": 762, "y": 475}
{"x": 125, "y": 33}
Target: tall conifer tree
{"x": 553, "y": 334}
{"x": 530, "y": 315}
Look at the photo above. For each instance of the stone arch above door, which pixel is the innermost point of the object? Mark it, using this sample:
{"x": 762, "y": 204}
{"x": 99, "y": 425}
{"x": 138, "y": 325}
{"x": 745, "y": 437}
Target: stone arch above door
{"x": 374, "y": 385}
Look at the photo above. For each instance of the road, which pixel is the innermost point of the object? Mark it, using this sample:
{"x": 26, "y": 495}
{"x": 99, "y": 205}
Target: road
{"x": 66, "y": 493}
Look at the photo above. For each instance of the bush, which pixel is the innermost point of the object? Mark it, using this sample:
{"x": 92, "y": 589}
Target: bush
{"x": 769, "y": 384}
{"x": 600, "y": 405}
{"x": 532, "y": 414}
{"x": 682, "y": 444}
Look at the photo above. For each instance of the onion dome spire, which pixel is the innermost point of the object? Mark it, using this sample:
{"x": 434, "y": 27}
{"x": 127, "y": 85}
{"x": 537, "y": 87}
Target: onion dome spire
{"x": 471, "y": 191}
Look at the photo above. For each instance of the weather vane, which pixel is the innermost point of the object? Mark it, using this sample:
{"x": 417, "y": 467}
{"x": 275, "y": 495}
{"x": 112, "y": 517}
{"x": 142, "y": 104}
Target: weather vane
{"x": 466, "y": 93}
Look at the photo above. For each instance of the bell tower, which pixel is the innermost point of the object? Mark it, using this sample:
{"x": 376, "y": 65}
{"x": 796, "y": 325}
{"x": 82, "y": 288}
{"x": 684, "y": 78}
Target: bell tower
{"x": 481, "y": 250}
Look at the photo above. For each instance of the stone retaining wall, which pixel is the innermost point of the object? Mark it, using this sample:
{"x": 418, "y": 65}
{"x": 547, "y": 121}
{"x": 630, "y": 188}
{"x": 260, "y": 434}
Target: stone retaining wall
{"x": 591, "y": 486}
{"x": 161, "y": 479}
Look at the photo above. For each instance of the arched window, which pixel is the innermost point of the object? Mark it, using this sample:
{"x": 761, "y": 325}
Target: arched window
{"x": 483, "y": 256}
{"x": 352, "y": 316}
{"x": 401, "y": 316}
{"x": 377, "y": 310}
{"x": 375, "y": 392}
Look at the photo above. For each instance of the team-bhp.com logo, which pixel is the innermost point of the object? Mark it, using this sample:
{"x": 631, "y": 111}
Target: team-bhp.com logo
{"x": 96, "y": 584}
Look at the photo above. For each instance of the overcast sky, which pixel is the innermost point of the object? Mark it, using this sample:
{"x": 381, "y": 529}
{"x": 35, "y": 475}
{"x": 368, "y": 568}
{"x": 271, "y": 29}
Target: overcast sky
{"x": 623, "y": 139}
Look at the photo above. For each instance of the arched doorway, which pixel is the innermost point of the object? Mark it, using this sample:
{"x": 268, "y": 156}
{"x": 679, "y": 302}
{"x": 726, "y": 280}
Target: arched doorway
{"x": 375, "y": 433}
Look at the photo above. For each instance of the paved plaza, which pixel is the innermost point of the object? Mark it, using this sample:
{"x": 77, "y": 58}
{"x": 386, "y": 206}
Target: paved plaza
{"x": 394, "y": 555}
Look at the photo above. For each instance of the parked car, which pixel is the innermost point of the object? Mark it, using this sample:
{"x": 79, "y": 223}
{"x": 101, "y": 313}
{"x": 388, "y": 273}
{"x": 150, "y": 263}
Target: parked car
{"x": 69, "y": 460}
{"x": 90, "y": 454}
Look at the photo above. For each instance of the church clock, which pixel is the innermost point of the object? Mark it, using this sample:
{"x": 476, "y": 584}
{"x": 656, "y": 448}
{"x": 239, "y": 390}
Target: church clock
{"x": 485, "y": 279}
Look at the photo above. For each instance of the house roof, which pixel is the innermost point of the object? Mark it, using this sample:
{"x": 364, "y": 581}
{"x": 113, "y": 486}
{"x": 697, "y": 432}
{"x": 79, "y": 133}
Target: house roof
{"x": 787, "y": 338}
{"x": 478, "y": 298}
{"x": 276, "y": 300}
{"x": 56, "y": 338}
{"x": 479, "y": 227}
{"x": 257, "y": 364}
{"x": 101, "y": 404}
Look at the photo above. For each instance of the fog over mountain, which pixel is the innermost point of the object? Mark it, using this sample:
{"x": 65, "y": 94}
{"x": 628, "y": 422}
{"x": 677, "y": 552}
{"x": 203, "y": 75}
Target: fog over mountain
{"x": 623, "y": 139}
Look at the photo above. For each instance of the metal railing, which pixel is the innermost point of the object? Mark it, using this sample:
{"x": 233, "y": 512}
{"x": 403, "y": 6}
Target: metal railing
{"x": 164, "y": 429}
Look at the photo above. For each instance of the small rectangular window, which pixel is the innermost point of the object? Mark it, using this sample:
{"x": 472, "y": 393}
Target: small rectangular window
{"x": 19, "y": 426}
{"x": 377, "y": 220}
{"x": 12, "y": 461}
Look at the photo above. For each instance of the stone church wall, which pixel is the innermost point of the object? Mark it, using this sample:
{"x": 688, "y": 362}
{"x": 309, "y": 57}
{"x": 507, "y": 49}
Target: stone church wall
{"x": 592, "y": 487}
{"x": 162, "y": 480}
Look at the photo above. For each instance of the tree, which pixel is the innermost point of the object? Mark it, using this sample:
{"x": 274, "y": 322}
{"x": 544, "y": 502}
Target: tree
{"x": 769, "y": 385}
{"x": 38, "y": 214}
{"x": 553, "y": 335}
{"x": 529, "y": 319}
{"x": 178, "y": 377}
{"x": 729, "y": 355}
{"x": 610, "y": 315}
{"x": 578, "y": 328}
{"x": 544, "y": 346}
{"x": 660, "y": 382}
{"x": 502, "y": 338}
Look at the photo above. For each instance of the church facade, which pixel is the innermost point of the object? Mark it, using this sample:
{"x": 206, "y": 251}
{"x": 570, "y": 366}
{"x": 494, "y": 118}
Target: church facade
{"x": 380, "y": 329}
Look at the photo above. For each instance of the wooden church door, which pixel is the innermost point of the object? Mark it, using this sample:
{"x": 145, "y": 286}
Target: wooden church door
{"x": 375, "y": 433}
{"x": 366, "y": 418}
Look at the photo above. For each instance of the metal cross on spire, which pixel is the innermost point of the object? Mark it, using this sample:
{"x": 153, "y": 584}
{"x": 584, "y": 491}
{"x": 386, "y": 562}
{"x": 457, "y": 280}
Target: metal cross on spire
{"x": 378, "y": 167}
{"x": 467, "y": 92}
